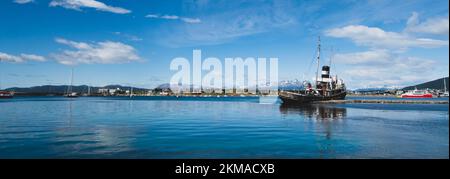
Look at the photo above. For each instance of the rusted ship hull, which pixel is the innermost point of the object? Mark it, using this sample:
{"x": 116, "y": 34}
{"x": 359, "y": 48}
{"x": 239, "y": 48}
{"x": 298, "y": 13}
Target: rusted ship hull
{"x": 296, "y": 98}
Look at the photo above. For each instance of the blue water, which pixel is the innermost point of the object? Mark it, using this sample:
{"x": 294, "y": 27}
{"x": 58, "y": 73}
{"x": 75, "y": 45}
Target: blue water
{"x": 233, "y": 127}
{"x": 397, "y": 98}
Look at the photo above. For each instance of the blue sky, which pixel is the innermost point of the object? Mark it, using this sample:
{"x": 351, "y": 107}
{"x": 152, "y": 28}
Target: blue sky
{"x": 132, "y": 42}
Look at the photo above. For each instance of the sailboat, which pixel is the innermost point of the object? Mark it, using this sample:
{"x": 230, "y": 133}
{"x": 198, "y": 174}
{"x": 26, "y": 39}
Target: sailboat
{"x": 131, "y": 92}
{"x": 5, "y": 94}
{"x": 88, "y": 91}
{"x": 325, "y": 88}
{"x": 69, "y": 93}
{"x": 445, "y": 94}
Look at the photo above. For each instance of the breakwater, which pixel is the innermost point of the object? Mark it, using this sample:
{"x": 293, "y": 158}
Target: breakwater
{"x": 380, "y": 101}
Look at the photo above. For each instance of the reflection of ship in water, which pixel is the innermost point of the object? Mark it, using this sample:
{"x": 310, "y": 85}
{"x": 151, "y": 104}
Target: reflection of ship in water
{"x": 315, "y": 111}
{"x": 326, "y": 120}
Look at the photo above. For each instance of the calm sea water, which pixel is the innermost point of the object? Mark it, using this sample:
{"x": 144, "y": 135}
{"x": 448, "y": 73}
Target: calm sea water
{"x": 238, "y": 127}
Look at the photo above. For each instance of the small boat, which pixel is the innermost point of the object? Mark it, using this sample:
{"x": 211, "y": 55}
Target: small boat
{"x": 6, "y": 94}
{"x": 445, "y": 94}
{"x": 131, "y": 92}
{"x": 69, "y": 93}
{"x": 326, "y": 88}
{"x": 417, "y": 94}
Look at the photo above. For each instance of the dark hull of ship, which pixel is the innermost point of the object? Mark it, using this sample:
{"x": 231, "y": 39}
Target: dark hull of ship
{"x": 5, "y": 97}
{"x": 71, "y": 96}
{"x": 297, "y": 98}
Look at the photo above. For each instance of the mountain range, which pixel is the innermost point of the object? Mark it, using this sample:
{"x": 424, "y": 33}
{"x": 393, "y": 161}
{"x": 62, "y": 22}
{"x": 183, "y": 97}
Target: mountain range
{"x": 62, "y": 89}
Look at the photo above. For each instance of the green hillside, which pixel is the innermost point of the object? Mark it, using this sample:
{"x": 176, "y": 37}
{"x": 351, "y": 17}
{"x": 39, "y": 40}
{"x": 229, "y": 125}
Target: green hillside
{"x": 435, "y": 84}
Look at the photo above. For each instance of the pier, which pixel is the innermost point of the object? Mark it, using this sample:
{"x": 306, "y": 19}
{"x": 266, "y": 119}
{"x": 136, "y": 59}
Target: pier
{"x": 378, "y": 101}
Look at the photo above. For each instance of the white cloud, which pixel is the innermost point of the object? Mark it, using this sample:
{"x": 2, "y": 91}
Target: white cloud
{"x": 376, "y": 37}
{"x": 23, "y": 1}
{"x": 191, "y": 20}
{"x": 375, "y": 57}
{"x": 20, "y": 58}
{"x": 106, "y": 52}
{"x": 32, "y": 57}
{"x": 152, "y": 16}
{"x": 378, "y": 68}
{"x": 78, "y": 4}
{"x": 413, "y": 19}
{"x": 128, "y": 36}
{"x": 10, "y": 58}
{"x": 175, "y": 17}
{"x": 438, "y": 25}
{"x": 386, "y": 63}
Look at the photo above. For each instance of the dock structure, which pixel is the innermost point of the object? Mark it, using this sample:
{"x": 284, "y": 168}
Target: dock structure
{"x": 377, "y": 101}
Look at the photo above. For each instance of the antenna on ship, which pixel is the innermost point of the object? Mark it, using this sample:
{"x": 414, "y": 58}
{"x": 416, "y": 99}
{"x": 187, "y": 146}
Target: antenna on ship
{"x": 333, "y": 53}
{"x": 318, "y": 60}
{"x": 331, "y": 57}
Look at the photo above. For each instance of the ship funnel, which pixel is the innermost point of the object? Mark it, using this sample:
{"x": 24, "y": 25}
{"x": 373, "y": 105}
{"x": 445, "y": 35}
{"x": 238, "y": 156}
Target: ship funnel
{"x": 326, "y": 73}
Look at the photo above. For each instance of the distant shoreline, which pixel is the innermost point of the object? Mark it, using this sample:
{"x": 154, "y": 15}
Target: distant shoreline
{"x": 194, "y": 95}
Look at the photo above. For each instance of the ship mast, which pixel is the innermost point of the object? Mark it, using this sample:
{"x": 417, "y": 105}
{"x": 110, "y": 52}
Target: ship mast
{"x": 318, "y": 60}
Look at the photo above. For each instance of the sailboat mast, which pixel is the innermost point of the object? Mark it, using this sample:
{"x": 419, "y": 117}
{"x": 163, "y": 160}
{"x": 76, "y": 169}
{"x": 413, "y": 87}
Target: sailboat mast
{"x": 318, "y": 60}
{"x": 71, "y": 79}
{"x": 331, "y": 57}
{"x": 131, "y": 92}
{"x": 445, "y": 86}
{"x": 69, "y": 89}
